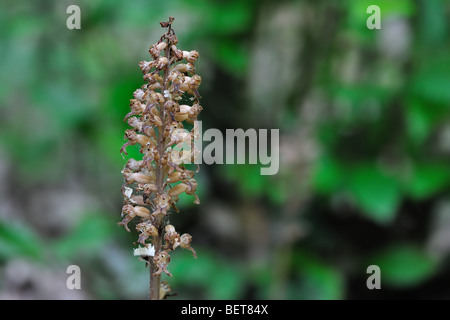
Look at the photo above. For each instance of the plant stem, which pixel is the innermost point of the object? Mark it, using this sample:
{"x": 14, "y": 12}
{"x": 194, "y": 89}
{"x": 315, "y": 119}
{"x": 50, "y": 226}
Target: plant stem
{"x": 155, "y": 280}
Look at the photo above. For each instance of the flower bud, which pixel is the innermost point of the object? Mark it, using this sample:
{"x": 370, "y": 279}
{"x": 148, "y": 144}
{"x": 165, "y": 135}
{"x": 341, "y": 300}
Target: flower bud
{"x": 130, "y": 212}
{"x": 164, "y": 290}
{"x": 156, "y": 124}
{"x": 178, "y": 189}
{"x": 177, "y": 53}
{"x": 161, "y": 46}
{"x": 146, "y": 66}
{"x": 133, "y": 164}
{"x": 138, "y": 177}
{"x": 190, "y": 56}
{"x": 161, "y": 63}
{"x": 163, "y": 203}
{"x": 138, "y": 94}
{"x": 154, "y": 52}
{"x": 185, "y": 243}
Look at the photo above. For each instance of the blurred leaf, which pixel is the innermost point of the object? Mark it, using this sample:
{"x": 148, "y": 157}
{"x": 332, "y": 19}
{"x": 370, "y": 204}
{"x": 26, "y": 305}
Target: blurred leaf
{"x": 19, "y": 240}
{"x": 221, "y": 279}
{"x": 428, "y": 179}
{"x": 376, "y": 193}
{"x": 185, "y": 200}
{"x": 431, "y": 82}
{"x": 232, "y": 55}
{"x": 92, "y": 232}
{"x": 251, "y": 183}
{"x": 327, "y": 175}
{"x": 433, "y": 22}
{"x": 358, "y": 9}
{"x": 433, "y": 87}
{"x": 404, "y": 265}
{"x": 357, "y": 14}
{"x": 418, "y": 122}
{"x": 248, "y": 177}
{"x": 227, "y": 284}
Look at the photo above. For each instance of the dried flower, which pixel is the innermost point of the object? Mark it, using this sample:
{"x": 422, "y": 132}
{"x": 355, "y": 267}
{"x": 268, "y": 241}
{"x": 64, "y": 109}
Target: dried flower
{"x": 146, "y": 230}
{"x": 165, "y": 290}
{"x": 185, "y": 243}
{"x": 152, "y": 185}
{"x": 148, "y": 251}
{"x": 162, "y": 260}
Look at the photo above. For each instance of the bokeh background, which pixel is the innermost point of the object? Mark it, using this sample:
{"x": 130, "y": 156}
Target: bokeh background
{"x": 364, "y": 119}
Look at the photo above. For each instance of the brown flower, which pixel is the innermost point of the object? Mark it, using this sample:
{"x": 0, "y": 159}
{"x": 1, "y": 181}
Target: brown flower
{"x": 156, "y": 119}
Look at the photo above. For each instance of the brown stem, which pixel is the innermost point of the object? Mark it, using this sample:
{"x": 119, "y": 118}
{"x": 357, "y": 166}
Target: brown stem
{"x": 155, "y": 280}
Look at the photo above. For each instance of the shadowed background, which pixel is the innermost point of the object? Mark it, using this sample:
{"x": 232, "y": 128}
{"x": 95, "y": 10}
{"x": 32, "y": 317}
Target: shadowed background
{"x": 364, "y": 119}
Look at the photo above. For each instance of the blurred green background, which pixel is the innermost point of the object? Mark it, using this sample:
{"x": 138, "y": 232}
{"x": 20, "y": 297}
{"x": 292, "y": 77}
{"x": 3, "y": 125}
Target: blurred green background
{"x": 364, "y": 119}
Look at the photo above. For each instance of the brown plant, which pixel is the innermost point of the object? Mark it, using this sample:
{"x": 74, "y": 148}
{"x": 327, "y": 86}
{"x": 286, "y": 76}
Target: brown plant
{"x": 153, "y": 184}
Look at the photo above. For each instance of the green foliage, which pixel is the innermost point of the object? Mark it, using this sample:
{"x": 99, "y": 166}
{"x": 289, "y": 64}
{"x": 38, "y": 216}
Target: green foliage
{"x": 404, "y": 265}
{"x": 381, "y": 132}
{"x": 431, "y": 82}
{"x": 357, "y": 15}
{"x": 433, "y": 23}
{"x": 248, "y": 178}
{"x": 220, "y": 279}
{"x": 428, "y": 180}
{"x": 327, "y": 176}
{"x": 91, "y": 233}
{"x": 376, "y": 193}
{"x": 233, "y": 56}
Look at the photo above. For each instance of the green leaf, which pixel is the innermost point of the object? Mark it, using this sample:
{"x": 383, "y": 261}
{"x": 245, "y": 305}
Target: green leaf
{"x": 248, "y": 177}
{"x": 317, "y": 280}
{"x": 418, "y": 122}
{"x": 220, "y": 279}
{"x": 428, "y": 179}
{"x": 404, "y": 265}
{"x": 19, "y": 240}
{"x": 431, "y": 82}
{"x": 377, "y": 194}
{"x": 93, "y": 231}
{"x": 327, "y": 175}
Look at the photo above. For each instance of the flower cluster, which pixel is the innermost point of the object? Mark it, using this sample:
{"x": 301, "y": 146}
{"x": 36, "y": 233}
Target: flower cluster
{"x": 158, "y": 112}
